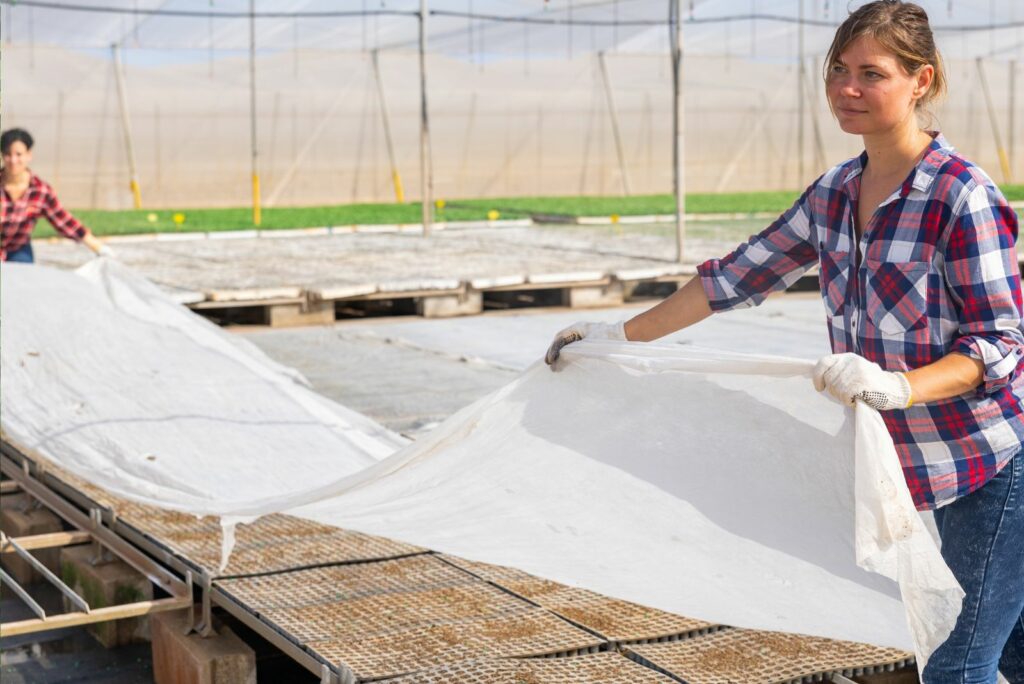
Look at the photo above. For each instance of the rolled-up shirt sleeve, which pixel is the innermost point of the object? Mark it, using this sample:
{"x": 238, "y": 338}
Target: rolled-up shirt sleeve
{"x": 772, "y": 260}
{"x": 61, "y": 219}
{"x": 984, "y": 278}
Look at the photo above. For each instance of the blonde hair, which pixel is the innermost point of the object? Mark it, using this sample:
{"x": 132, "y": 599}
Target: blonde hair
{"x": 902, "y": 28}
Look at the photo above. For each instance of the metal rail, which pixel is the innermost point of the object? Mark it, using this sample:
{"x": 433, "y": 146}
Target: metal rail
{"x": 14, "y": 458}
{"x": 19, "y": 470}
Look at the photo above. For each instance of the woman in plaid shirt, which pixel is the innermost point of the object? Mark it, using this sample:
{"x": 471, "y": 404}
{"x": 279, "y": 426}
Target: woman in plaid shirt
{"x": 26, "y": 197}
{"x": 920, "y": 280}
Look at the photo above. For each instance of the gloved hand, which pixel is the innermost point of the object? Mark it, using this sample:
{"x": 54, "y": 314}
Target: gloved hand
{"x": 849, "y": 377}
{"x": 106, "y": 251}
{"x": 578, "y": 331}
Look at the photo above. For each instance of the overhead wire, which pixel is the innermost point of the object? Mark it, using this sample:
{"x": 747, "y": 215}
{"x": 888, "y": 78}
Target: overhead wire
{"x": 572, "y": 20}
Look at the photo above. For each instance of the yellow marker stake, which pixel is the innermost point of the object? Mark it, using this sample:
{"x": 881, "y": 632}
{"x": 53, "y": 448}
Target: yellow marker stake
{"x": 256, "y": 216}
{"x": 136, "y": 194}
{"x": 1004, "y": 161}
{"x": 399, "y": 192}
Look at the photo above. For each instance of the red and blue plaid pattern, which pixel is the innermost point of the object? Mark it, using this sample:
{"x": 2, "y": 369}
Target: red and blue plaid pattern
{"x": 18, "y": 217}
{"x": 935, "y": 272}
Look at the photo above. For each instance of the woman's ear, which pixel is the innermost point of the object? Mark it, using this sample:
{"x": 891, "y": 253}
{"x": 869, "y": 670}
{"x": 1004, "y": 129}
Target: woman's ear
{"x": 924, "y": 77}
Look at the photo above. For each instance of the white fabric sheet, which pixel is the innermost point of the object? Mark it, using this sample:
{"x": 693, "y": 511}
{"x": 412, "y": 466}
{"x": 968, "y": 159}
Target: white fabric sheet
{"x": 105, "y": 375}
{"x": 715, "y": 485}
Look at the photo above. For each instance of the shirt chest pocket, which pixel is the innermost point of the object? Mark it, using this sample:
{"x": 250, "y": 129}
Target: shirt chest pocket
{"x": 833, "y": 278}
{"x": 897, "y": 295}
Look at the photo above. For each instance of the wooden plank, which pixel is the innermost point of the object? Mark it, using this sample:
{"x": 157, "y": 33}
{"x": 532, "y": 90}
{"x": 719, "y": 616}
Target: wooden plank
{"x": 9, "y": 486}
{"x": 96, "y": 615}
{"x": 212, "y": 304}
{"x": 255, "y": 295}
{"x": 550, "y": 285}
{"x": 46, "y": 541}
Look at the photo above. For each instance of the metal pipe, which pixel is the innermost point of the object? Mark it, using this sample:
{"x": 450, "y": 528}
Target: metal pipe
{"x": 59, "y": 138}
{"x": 256, "y": 214}
{"x": 22, "y": 594}
{"x": 678, "y": 132}
{"x": 426, "y": 165}
{"x": 49, "y": 576}
{"x": 614, "y": 114}
{"x": 819, "y": 141}
{"x": 396, "y": 178}
{"x": 1004, "y": 161}
{"x": 800, "y": 97}
{"x": 122, "y": 97}
{"x": 1011, "y": 124}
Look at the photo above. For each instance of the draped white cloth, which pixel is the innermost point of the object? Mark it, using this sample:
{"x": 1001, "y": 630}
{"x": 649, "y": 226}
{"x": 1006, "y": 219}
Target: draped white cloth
{"x": 714, "y": 485}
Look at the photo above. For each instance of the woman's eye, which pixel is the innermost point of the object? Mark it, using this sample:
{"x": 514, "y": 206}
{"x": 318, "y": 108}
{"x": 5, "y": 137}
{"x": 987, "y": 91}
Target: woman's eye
{"x": 873, "y": 74}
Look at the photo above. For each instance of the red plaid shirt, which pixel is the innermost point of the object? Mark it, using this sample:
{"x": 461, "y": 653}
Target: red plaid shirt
{"x": 18, "y": 217}
{"x": 938, "y": 274}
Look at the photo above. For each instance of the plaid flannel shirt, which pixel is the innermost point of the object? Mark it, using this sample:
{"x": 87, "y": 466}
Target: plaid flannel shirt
{"x": 936, "y": 273}
{"x": 18, "y": 217}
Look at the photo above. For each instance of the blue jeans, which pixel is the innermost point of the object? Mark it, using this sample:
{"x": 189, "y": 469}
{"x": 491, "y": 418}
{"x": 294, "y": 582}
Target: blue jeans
{"x": 22, "y": 255}
{"x": 983, "y": 544}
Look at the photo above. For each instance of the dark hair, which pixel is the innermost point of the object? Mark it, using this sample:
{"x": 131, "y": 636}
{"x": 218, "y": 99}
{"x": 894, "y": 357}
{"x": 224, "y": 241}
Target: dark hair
{"x": 13, "y": 135}
{"x": 901, "y": 28}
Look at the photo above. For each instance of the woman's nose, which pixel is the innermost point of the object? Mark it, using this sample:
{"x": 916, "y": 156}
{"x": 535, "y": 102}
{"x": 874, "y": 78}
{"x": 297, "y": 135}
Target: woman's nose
{"x": 849, "y": 89}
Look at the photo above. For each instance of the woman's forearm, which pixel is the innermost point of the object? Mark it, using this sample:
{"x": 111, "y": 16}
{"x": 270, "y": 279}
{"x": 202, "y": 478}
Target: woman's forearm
{"x": 687, "y": 306}
{"x": 90, "y": 241}
{"x": 950, "y": 376}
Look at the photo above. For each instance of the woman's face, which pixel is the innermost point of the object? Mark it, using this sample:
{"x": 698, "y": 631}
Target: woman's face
{"x": 17, "y": 157}
{"x": 870, "y": 91}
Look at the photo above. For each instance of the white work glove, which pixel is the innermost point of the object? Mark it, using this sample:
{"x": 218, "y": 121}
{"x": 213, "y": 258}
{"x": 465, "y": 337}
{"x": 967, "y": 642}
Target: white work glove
{"x": 581, "y": 330}
{"x": 106, "y": 251}
{"x": 849, "y": 377}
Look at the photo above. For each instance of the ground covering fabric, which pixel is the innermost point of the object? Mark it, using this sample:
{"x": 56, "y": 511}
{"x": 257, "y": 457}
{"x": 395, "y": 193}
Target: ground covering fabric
{"x": 719, "y": 486}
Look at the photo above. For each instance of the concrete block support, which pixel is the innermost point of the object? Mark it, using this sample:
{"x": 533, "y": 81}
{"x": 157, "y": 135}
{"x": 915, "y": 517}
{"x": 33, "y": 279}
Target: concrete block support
{"x": 291, "y": 315}
{"x": 446, "y": 306}
{"x": 179, "y": 659}
{"x": 108, "y": 583}
{"x": 596, "y": 296}
{"x": 18, "y": 523}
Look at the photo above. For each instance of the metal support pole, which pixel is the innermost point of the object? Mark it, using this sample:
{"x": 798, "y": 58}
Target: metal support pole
{"x": 426, "y": 165}
{"x": 819, "y": 141}
{"x": 801, "y": 98}
{"x": 614, "y": 115}
{"x": 678, "y": 134}
{"x": 122, "y": 97}
{"x": 1004, "y": 161}
{"x": 1011, "y": 143}
{"x": 256, "y": 215}
{"x": 396, "y": 178}
{"x": 59, "y": 139}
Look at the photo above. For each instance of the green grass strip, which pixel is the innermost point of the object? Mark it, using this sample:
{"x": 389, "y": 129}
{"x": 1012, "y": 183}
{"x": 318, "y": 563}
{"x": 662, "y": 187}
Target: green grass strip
{"x": 240, "y": 218}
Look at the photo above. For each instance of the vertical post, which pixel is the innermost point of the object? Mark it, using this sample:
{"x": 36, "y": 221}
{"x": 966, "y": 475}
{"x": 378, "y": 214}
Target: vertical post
{"x": 539, "y": 175}
{"x": 59, "y": 138}
{"x": 426, "y": 170}
{"x": 396, "y": 178}
{"x": 678, "y": 136}
{"x": 1011, "y": 143}
{"x": 1004, "y": 161}
{"x": 614, "y": 114}
{"x": 158, "y": 153}
{"x": 122, "y": 97}
{"x": 819, "y": 142}
{"x": 800, "y": 97}
{"x": 256, "y": 214}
